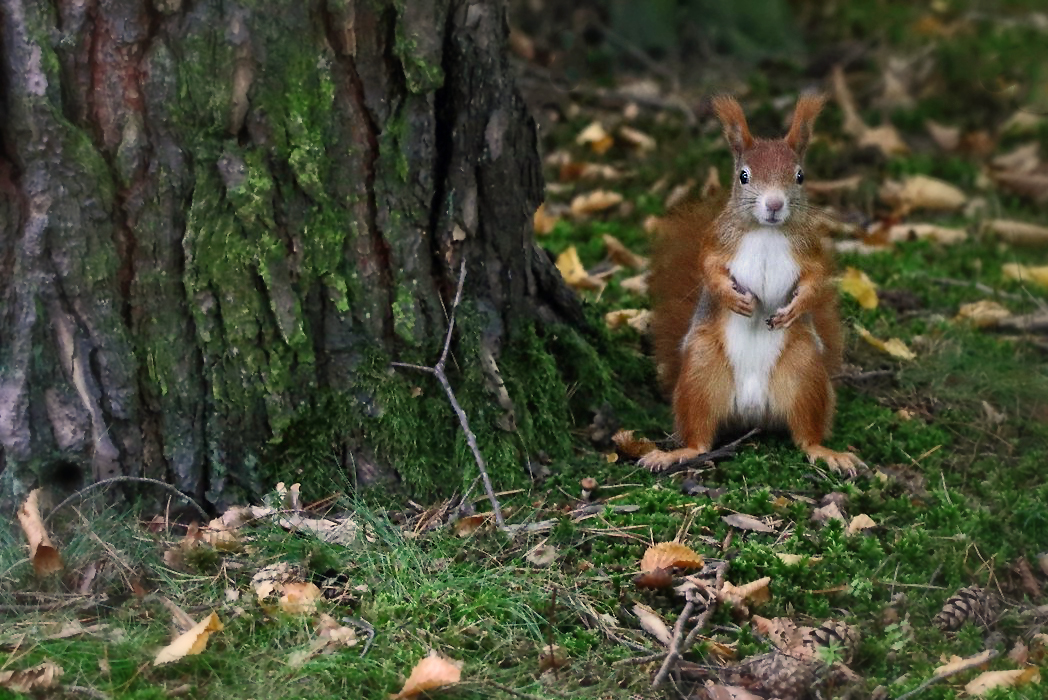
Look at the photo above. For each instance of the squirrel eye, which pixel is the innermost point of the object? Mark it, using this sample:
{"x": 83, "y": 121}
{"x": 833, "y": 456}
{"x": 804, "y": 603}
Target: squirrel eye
{"x": 800, "y": 176}
{"x": 744, "y": 176}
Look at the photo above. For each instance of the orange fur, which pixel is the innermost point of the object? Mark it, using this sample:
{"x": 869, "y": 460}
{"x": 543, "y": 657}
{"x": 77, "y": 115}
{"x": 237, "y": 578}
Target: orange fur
{"x": 694, "y": 297}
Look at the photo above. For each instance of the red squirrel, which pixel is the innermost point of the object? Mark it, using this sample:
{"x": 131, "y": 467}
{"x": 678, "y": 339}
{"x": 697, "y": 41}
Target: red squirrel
{"x": 746, "y": 328}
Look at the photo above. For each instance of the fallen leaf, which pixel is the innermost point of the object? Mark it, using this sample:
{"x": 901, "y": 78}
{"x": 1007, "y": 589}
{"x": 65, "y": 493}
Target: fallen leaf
{"x": 747, "y": 522}
{"x": 1024, "y": 121}
{"x": 825, "y": 188}
{"x": 44, "y": 556}
{"x": 857, "y": 284}
{"x": 571, "y": 269}
{"x": 826, "y": 513}
{"x": 469, "y": 524}
{"x": 1026, "y": 273}
{"x": 299, "y": 598}
{"x": 637, "y": 139}
{"x": 922, "y": 192}
{"x": 1033, "y": 186}
{"x": 596, "y": 137}
{"x": 982, "y": 314}
{"x": 192, "y": 642}
{"x": 1018, "y": 232}
{"x": 290, "y": 498}
{"x": 1022, "y": 159}
{"x": 666, "y": 555}
{"x": 859, "y": 523}
{"x": 948, "y": 138}
{"x": 595, "y": 201}
{"x": 679, "y": 193}
{"x": 653, "y": 623}
{"x": 542, "y": 555}
{"x": 884, "y": 138}
{"x": 1020, "y": 653}
{"x": 718, "y": 691}
{"x": 984, "y": 683}
{"x": 795, "y": 559}
{"x": 621, "y": 255}
{"x": 430, "y": 673}
{"x": 543, "y": 223}
{"x": 621, "y": 317}
{"x": 894, "y": 347}
{"x": 31, "y": 679}
{"x": 1042, "y": 562}
{"x": 266, "y": 580}
{"x": 636, "y": 285}
{"x": 627, "y": 442}
{"x": 940, "y": 234}
{"x": 755, "y": 592}
{"x": 657, "y": 579}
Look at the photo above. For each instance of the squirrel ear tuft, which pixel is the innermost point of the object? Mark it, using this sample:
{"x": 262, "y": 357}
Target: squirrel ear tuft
{"x": 736, "y": 131}
{"x": 808, "y": 108}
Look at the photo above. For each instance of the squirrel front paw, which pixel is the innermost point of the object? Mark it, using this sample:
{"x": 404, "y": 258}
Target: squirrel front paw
{"x": 657, "y": 460}
{"x": 840, "y": 462}
{"x": 741, "y": 300}
{"x": 784, "y": 317}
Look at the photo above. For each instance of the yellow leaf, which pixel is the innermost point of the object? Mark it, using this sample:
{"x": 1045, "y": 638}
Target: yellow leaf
{"x": 432, "y": 672}
{"x": 43, "y": 555}
{"x": 665, "y": 555}
{"x": 922, "y": 192}
{"x": 574, "y": 273}
{"x": 192, "y": 642}
{"x": 299, "y": 597}
{"x": 894, "y": 347}
{"x": 592, "y": 133}
{"x": 595, "y": 201}
{"x": 982, "y": 314}
{"x": 856, "y": 283}
{"x": 982, "y": 684}
{"x": 795, "y": 559}
{"x": 1026, "y": 273}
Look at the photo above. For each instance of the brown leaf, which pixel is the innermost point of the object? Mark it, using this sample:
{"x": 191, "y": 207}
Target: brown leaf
{"x": 666, "y": 555}
{"x": 747, "y": 522}
{"x": 542, "y": 555}
{"x": 638, "y": 139}
{"x": 826, "y": 188}
{"x": 621, "y": 255}
{"x": 636, "y": 285}
{"x": 984, "y": 683}
{"x": 718, "y": 691}
{"x": 828, "y": 512}
{"x": 1018, "y": 232}
{"x": 192, "y": 642}
{"x": 859, "y": 523}
{"x": 755, "y": 592}
{"x": 593, "y": 202}
{"x": 857, "y": 284}
{"x": 469, "y": 524}
{"x": 884, "y": 138}
{"x": 596, "y": 137}
{"x": 652, "y": 623}
{"x": 940, "y": 234}
{"x": 657, "y": 579}
{"x": 982, "y": 314}
{"x": 32, "y": 679}
{"x": 430, "y": 673}
{"x": 627, "y": 442}
{"x": 1019, "y": 653}
{"x": 1042, "y": 562}
{"x": 1033, "y": 186}
{"x": 1030, "y": 585}
{"x": 43, "y": 555}
{"x": 634, "y": 318}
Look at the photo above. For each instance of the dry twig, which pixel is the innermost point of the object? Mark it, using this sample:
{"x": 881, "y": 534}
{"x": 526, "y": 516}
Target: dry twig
{"x": 437, "y": 371}
{"x": 128, "y": 479}
{"x": 978, "y": 661}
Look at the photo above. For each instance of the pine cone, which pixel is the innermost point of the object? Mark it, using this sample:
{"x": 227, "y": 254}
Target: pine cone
{"x": 834, "y": 632}
{"x": 778, "y": 675}
{"x": 971, "y": 603}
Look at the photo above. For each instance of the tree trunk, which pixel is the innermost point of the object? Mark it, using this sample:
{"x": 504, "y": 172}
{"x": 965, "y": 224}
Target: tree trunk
{"x": 220, "y": 221}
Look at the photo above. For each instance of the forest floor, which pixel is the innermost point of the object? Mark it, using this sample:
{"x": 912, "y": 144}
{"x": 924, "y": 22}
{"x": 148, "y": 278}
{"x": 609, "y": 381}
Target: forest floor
{"x": 951, "y": 419}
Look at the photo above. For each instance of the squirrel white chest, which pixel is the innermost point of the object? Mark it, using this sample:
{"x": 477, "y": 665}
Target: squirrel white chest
{"x": 764, "y": 264}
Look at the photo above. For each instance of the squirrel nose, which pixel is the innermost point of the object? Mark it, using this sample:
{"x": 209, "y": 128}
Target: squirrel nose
{"x": 774, "y": 203}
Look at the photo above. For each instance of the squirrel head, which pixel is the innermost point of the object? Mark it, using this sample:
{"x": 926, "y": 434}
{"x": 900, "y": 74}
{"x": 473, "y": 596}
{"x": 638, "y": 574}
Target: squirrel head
{"x": 768, "y": 172}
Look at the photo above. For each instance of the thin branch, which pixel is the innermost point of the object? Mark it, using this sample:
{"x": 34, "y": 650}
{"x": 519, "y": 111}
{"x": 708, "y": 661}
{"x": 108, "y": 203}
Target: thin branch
{"x": 975, "y": 661}
{"x": 674, "y": 649}
{"x": 132, "y": 479}
{"x": 721, "y": 453}
{"x": 438, "y": 371}
{"x": 678, "y": 648}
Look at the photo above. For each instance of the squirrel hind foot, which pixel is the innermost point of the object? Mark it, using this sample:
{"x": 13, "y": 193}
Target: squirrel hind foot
{"x": 840, "y": 462}
{"x": 657, "y": 460}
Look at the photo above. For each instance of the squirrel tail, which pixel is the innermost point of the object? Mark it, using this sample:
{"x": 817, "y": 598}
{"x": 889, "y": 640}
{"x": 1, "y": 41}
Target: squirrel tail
{"x": 675, "y": 282}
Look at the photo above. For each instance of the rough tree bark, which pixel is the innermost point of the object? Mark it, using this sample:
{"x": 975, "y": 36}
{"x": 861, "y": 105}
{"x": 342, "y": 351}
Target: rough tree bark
{"x": 212, "y": 211}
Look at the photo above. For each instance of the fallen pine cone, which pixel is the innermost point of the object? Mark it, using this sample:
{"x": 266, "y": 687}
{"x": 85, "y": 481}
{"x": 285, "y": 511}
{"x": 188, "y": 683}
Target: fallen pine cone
{"x": 971, "y": 603}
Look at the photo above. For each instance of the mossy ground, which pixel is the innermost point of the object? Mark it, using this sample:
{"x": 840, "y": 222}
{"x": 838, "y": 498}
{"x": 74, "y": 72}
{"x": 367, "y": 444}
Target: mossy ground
{"x": 973, "y": 498}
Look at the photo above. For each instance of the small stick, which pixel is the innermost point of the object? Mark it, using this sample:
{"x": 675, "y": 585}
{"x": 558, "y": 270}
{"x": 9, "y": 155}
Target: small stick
{"x": 978, "y": 661}
{"x": 723, "y": 452}
{"x": 674, "y": 649}
{"x": 132, "y": 479}
{"x": 704, "y": 617}
{"x": 438, "y": 371}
